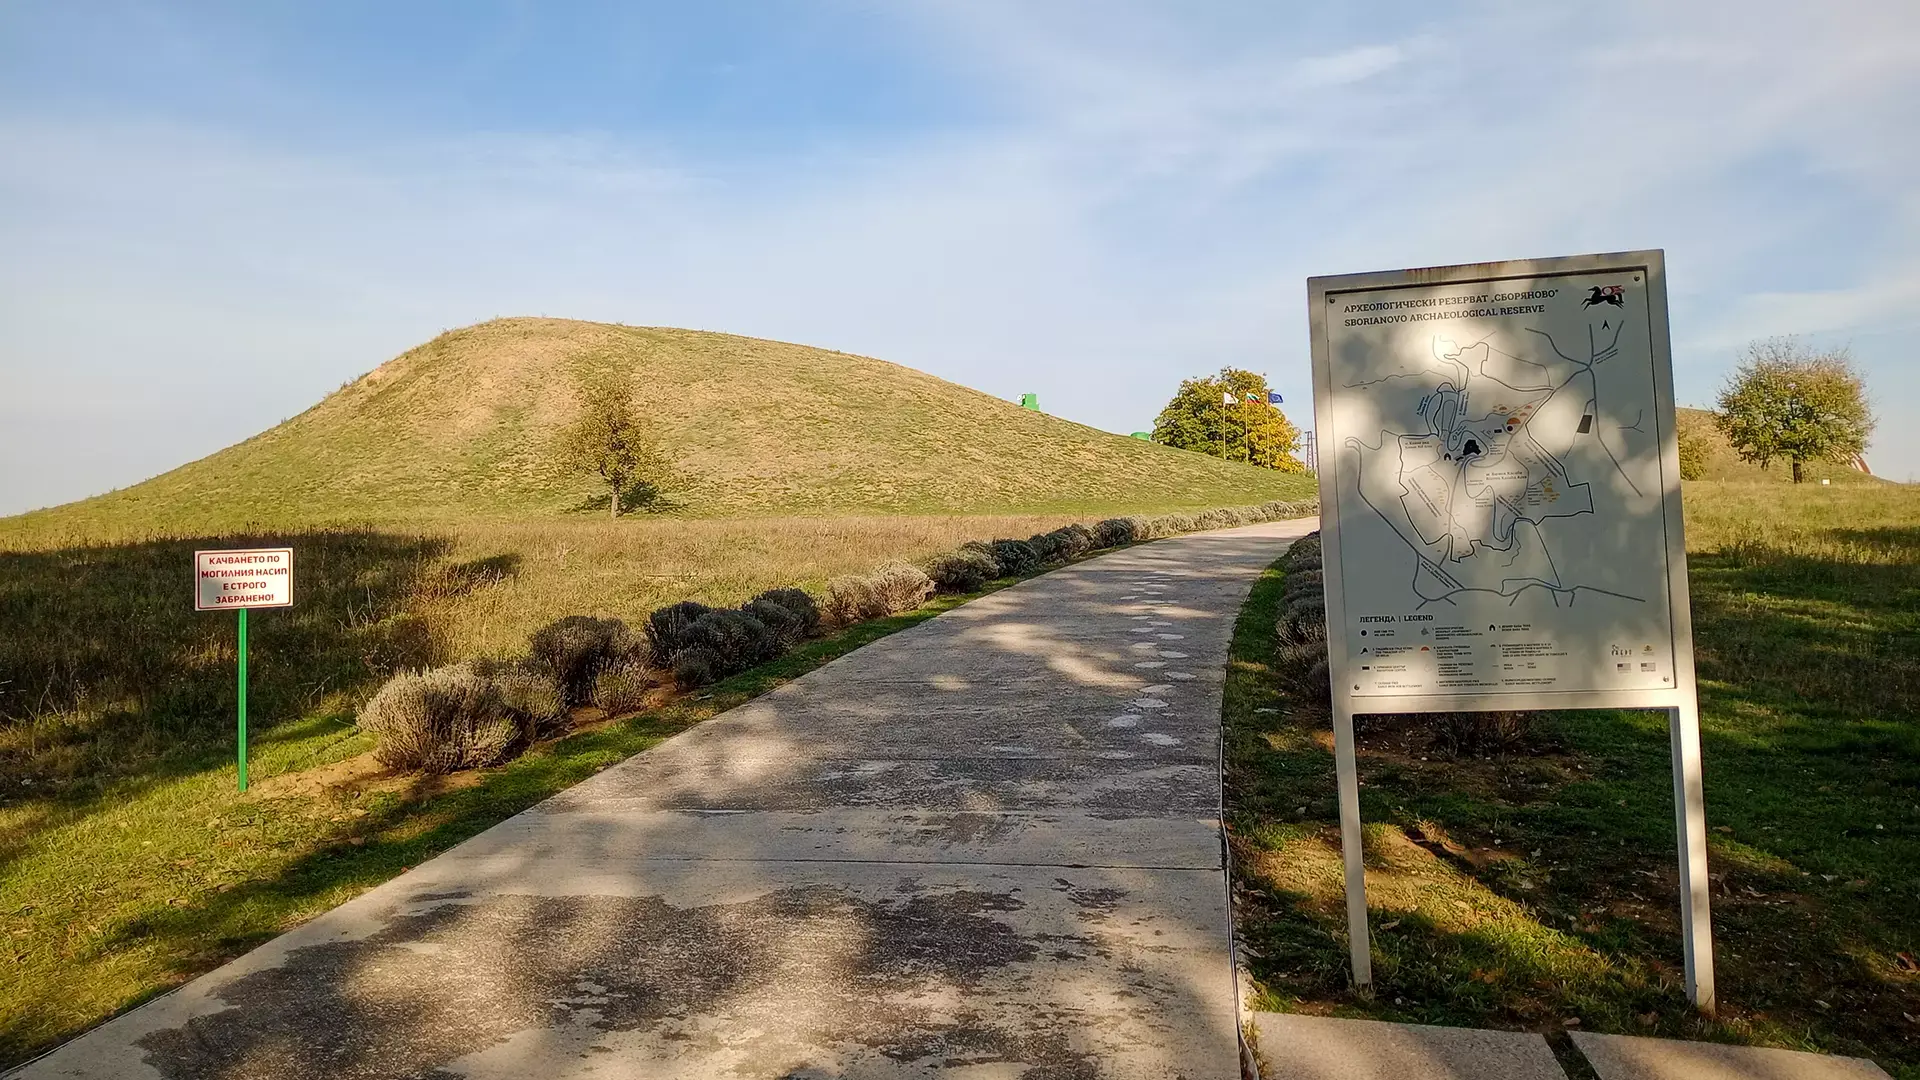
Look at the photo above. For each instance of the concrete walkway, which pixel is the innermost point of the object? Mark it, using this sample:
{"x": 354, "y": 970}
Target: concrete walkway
{"x": 986, "y": 847}
{"x": 1295, "y": 1047}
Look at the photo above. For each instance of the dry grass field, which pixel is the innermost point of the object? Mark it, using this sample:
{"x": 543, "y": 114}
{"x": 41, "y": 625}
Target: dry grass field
{"x": 108, "y": 667}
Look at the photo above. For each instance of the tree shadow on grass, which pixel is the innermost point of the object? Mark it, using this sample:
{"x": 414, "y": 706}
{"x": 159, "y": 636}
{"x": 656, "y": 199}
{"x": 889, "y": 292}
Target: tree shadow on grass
{"x": 1900, "y": 536}
{"x": 1808, "y": 669}
{"x": 395, "y": 832}
{"x": 641, "y": 497}
{"x": 114, "y": 683}
{"x": 384, "y": 836}
{"x": 1809, "y": 905}
{"x": 401, "y": 830}
{"x": 1587, "y": 949}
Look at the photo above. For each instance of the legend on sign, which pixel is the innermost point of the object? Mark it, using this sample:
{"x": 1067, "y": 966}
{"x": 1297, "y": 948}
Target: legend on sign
{"x": 260, "y": 577}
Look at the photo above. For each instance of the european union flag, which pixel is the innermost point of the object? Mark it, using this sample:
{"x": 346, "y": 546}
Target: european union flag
{"x": 1273, "y": 398}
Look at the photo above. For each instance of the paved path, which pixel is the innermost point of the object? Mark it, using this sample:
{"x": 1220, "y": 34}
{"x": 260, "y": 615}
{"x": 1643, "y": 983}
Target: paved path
{"x": 986, "y": 847}
{"x": 1295, "y": 1047}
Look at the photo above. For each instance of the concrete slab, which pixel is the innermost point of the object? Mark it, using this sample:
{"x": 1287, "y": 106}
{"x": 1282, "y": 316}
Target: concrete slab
{"x": 1631, "y": 1057}
{"x": 986, "y": 847}
{"x": 620, "y": 836}
{"x": 983, "y": 784}
{"x": 1294, "y": 1047}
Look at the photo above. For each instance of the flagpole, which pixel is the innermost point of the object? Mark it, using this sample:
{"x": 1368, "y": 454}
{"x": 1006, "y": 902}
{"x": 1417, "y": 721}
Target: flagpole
{"x": 1267, "y": 401}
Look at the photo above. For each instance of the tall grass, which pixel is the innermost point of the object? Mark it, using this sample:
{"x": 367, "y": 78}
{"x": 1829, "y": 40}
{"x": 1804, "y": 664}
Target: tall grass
{"x": 105, "y": 668}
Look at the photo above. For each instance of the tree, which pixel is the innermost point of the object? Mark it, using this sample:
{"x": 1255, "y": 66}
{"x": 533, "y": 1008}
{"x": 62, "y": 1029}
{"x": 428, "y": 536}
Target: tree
{"x": 607, "y": 438}
{"x": 1786, "y": 400}
{"x": 1249, "y": 429}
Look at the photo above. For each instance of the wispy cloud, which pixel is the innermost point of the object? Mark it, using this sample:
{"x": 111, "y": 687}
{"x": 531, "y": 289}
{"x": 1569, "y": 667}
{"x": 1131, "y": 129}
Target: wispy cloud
{"x": 1130, "y": 195}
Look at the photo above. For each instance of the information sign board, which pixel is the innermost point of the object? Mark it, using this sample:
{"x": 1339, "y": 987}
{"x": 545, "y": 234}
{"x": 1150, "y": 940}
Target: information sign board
{"x": 1500, "y": 487}
{"x": 259, "y": 577}
{"x": 1500, "y": 515}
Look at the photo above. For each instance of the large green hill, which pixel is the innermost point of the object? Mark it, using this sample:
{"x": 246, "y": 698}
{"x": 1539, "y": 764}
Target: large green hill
{"x": 463, "y": 425}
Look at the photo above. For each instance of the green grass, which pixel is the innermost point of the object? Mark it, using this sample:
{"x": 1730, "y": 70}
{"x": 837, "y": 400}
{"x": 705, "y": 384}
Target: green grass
{"x": 460, "y": 429}
{"x": 1530, "y": 889}
{"x": 115, "y": 890}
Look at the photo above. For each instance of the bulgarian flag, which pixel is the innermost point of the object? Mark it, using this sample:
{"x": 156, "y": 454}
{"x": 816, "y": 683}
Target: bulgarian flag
{"x": 1253, "y": 398}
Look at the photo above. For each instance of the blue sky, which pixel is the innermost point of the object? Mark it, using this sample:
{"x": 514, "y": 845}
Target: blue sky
{"x": 1087, "y": 201}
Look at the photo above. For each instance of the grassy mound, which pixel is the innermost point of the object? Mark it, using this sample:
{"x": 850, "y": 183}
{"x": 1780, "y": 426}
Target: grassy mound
{"x": 463, "y": 426}
{"x": 1723, "y": 464}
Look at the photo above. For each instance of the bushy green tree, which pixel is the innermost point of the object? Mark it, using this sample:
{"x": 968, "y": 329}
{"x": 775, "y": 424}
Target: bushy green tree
{"x": 608, "y": 439}
{"x": 1787, "y": 400}
{"x": 1199, "y": 419}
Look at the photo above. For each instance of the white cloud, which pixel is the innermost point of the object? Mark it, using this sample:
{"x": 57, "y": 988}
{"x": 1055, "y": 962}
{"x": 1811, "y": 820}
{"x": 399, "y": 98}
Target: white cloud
{"x": 1146, "y": 206}
{"x": 1348, "y": 67}
{"x": 1890, "y": 303}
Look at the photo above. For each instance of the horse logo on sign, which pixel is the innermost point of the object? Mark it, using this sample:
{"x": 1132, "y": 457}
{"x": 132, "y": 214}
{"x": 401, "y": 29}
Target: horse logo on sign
{"x": 1606, "y": 294}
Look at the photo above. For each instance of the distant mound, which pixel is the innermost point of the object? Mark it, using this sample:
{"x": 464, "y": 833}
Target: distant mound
{"x": 463, "y": 426}
{"x": 1724, "y": 464}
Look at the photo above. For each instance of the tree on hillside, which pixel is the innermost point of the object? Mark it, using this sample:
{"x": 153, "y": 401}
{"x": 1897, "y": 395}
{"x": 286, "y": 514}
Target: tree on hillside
{"x": 1200, "y": 419}
{"x": 608, "y": 440}
{"x": 1787, "y": 400}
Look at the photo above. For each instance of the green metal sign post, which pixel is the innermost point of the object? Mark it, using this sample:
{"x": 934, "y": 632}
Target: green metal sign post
{"x": 243, "y": 699}
{"x": 241, "y": 580}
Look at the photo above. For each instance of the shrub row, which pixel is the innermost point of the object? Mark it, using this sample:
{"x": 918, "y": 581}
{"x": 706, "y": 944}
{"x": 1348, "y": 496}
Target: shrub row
{"x": 963, "y": 571}
{"x": 575, "y": 649}
{"x": 477, "y": 714}
{"x": 1300, "y": 662}
{"x": 702, "y": 645}
{"x": 455, "y": 717}
{"x": 977, "y": 562}
{"x": 893, "y": 588}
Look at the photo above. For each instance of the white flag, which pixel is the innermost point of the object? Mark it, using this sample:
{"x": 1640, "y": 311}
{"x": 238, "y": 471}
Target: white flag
{"x": 1226, "y": 399}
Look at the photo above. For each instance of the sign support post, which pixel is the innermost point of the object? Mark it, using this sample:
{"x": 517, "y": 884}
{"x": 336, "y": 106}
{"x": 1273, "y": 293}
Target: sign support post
{"x": 242, "y": 698}
{"x": 1690, "y": 824}
{"x": 1499, "y": 470}
{"x": 1359, "y": 940}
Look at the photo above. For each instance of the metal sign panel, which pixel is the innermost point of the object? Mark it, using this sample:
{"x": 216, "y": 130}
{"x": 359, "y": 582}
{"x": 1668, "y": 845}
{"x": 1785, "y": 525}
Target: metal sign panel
{"x": 1499, "y": 487}
{"x": 254, "y": 578}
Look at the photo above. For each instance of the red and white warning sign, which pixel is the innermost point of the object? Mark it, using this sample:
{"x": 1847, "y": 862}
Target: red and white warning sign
{"x": 262, "y": 577}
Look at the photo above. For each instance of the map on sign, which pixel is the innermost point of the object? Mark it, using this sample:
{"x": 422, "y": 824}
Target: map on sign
{"x": 1499, "y": 486}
